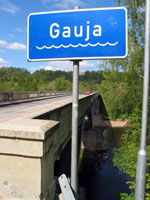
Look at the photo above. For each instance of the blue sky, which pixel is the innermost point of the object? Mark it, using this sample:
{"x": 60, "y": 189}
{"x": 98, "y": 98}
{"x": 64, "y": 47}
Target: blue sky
{"x": 13, "y": 31}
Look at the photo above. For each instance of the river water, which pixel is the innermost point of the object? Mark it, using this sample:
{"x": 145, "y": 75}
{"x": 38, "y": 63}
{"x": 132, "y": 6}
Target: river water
{"x": 99, "y": 179}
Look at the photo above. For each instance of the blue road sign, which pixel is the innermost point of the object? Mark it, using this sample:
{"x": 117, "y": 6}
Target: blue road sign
{"x": 78, "y": 34}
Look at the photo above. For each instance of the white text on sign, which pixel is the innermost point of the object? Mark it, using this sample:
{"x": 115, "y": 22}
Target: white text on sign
{"x": 56, "y": 30}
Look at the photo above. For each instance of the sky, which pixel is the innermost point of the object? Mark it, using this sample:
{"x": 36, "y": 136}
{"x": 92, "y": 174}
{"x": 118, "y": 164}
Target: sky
{"x": 13, "y": 32}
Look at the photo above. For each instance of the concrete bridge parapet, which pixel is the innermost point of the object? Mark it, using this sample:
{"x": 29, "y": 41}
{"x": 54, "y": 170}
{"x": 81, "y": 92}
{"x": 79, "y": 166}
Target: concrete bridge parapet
{"x": 14, "y": 96}
{"x": 29, "y": 147}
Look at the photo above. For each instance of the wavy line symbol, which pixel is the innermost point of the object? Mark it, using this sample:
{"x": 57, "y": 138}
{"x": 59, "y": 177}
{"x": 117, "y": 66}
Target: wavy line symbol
{"x": 82, "y": 45}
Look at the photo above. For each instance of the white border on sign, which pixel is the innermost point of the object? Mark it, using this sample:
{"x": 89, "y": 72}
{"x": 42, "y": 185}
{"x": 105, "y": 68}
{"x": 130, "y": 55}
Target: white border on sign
{"x": 79, "y": 58}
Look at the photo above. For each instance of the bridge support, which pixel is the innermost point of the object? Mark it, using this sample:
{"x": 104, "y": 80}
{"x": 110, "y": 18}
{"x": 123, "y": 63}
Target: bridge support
{"x": 29, "y": 147}
{"x": 27, "y": 160}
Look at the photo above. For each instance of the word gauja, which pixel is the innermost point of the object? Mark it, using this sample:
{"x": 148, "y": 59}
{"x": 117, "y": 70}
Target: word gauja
{"x": 66, "y": 31}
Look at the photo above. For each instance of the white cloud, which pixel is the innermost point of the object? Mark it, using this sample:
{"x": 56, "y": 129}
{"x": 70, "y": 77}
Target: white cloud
{"x": 10, "y": 35}
{"x": 19, "y": 29}
{"x": 68, "y": 4}
{"x": 3, "y": 43}
{"x": 68, "y": 66}
{"x": 13, "y": 46}
{"x": 48, "y": 68}
{"x": 3, "y": 63}
{"x": 7, "y": 6}
{"x": 33, "y": 69}
{"x": 55, "y": 65}
{"x": 60, "y": 65}
{"x": 89, "y": 65}
{"x": 16, "y": 46}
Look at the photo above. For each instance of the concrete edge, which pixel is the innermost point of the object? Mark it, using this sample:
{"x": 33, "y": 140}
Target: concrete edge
{"x": 29, "y": 129}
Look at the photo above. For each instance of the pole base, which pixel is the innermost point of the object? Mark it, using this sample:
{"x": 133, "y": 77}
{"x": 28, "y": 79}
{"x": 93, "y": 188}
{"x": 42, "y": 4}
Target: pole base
{"x": 140, "y": 175}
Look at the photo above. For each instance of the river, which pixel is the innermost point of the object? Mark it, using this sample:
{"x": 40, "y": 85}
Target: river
{"x": 99, "y": 179}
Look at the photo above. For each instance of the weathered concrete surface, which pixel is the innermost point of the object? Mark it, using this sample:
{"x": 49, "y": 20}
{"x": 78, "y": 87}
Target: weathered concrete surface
{"x": 27, "y": 128}
{"x": 31, "y": 140}
{"x": 31, "y": 109}
{"x": 26, "y": 159}
{"x": 25, "y": 136}
{"x": 20, "y": 177}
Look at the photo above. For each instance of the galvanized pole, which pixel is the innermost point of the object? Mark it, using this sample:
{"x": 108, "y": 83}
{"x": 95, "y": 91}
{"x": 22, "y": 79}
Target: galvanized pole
{"x": 142, "y": 155}
{"x": 74, "y": 146}
{"x": 74, "y": 150}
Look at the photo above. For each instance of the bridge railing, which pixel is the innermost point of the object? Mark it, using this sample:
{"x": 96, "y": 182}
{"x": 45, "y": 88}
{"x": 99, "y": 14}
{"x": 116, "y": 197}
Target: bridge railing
{"x": 7, "y": 96}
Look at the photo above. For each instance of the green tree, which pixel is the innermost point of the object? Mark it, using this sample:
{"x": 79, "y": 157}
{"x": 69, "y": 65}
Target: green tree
{"x": 125, "y": 157}
{"x": 61, "y": 84}
{"x": 122, "y": 85}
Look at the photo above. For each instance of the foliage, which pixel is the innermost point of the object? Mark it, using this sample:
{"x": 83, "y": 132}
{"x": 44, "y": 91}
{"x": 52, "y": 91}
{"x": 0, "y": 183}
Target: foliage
{"x": 18, "y": 79}
{"x": 125, "y": 158}
{"x": 61, "y": 84}
{"x": 122, "y": 92}
{"x": 14, "y": 78}
{"x": 97, "y": 76}
{"x": 125, "y": 196}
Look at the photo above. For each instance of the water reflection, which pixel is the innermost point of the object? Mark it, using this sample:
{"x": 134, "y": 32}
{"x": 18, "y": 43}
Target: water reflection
{"x": 112, "y": 136}
{"x": 97, "y": 175}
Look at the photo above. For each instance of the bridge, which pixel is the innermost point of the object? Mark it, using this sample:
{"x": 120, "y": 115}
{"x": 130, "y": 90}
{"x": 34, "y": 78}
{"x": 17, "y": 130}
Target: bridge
{"x": 34, "y": 137}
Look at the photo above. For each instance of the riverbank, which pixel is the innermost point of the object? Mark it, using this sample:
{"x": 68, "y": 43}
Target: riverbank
{"x": 116, "y": 123}
{"x": 98, "y": 121}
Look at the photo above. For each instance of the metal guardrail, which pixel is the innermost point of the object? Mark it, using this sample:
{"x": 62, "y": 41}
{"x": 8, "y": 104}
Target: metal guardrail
{"x": 13, "y": 96}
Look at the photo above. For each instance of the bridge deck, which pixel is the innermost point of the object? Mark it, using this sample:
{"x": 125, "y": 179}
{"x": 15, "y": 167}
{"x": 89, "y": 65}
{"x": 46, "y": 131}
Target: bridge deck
{"x": 31, "y": 109}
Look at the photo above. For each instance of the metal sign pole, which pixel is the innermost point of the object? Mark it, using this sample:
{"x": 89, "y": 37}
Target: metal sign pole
{"x": 74, "y": 150}
{"x": 74, "y": 146}
{"x": 142, "y": 155}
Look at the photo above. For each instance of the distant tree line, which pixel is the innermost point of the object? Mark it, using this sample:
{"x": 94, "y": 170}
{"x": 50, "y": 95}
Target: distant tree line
{"x": 19, "y": 79}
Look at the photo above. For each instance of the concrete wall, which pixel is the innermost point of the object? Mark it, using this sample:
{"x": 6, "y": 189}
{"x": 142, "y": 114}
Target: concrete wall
{"x": 27, "y": 95}
{"x": 26, "y": 159}
{"x": 29, "y": 147}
